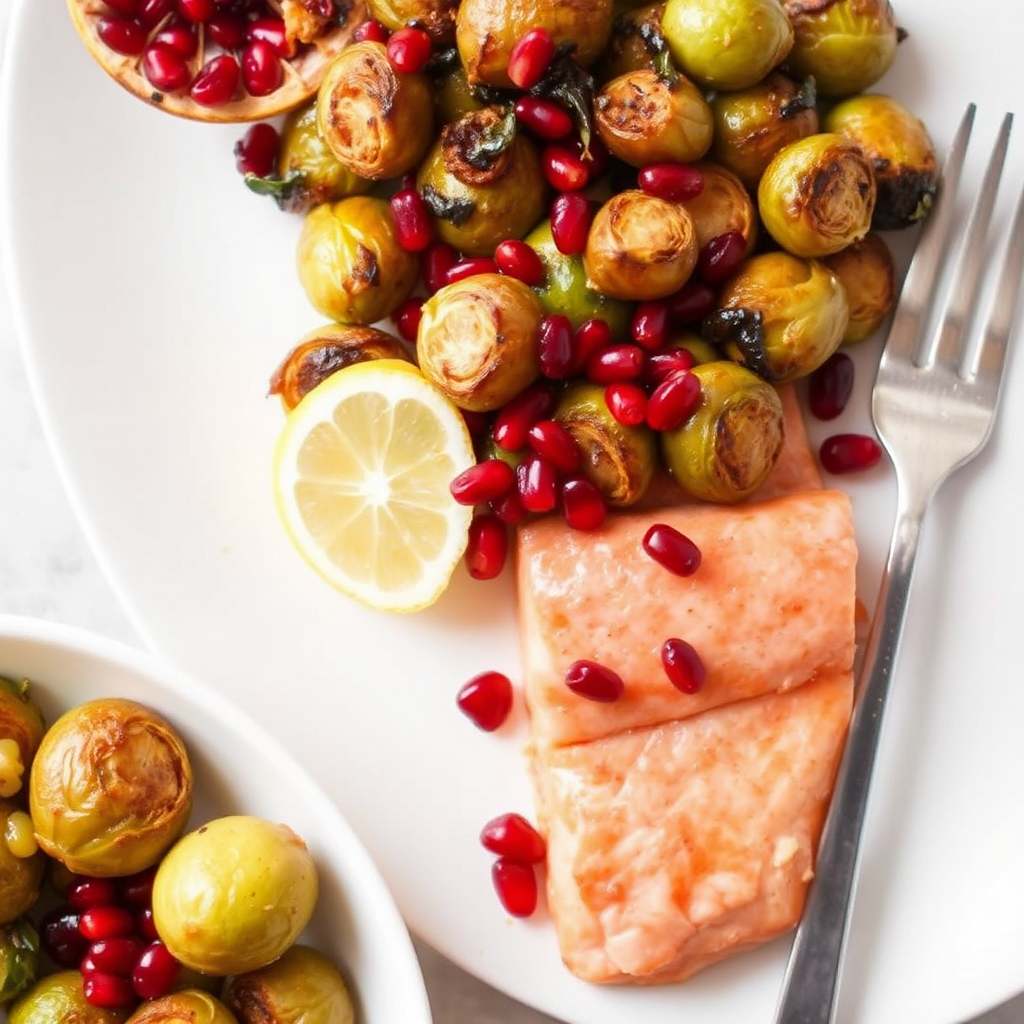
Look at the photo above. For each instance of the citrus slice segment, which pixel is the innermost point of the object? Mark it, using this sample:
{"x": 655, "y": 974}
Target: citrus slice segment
{"x": 362, "y": 475}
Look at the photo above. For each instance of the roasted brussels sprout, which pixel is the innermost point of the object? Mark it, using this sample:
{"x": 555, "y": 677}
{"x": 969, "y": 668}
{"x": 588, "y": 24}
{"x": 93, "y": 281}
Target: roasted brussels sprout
{"x": 350, "y": 263}
{"x": 59, "y": 998}
{"x": 635, "y": 43}
{"x": 618, "y": 460}
{"x": 111, "y": 787}
{"x": 483, "y": 181}
{"x": 724, "y": 451}
{"x": 234, "y": 894}
{"x": 302, "y": 987}
{"x": 19, "y": 957}
{"x": 781, "y": 316}
{"x": 477, "y": 340}
{"x": 817, "y": 195}
{"x": 21, "y": 869}
{"x": 437, "y": 17}
{"x": 727, "y": 44}
{"x": 723, "y": 205}
{"x": 453, "y": 95}
{"x": 486, "y": 31}
{"x": 21, "y": 729}
{"x": 377, "y": 121}
{"x": 867, "y": 273}
{"x": 325, "y": 350}
{"x": 564, "y": 288}
{"x": 846, "y": 45}
{"x": 640, "y": 247}
{"x": 752, "y": 125}
{"x": 701, "y": 349}
{"x": 190, "y": 1006}
{"x": 900, "y": 150}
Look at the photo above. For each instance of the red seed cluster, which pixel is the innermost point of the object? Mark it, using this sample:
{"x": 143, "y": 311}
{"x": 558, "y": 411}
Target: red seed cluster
{"x": 518, "y": 847}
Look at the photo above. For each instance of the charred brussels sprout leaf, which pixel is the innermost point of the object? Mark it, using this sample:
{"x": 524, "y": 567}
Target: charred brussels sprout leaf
{"x": 19, "y": 957}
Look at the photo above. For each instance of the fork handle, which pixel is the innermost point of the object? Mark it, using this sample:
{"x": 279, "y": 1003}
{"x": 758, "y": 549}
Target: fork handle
{"x": 811, "y": 981}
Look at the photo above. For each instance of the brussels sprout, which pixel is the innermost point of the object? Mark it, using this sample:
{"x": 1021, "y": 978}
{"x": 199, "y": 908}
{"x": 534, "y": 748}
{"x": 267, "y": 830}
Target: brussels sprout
{"x": 377, "y": 121}
{"x": 817, "y": 195}
{"x": 635, "y": 43}
{"x": 640, "y": 247}
{"x": 898, "y": 146}
{"x": 234, "y": 894}
{"x": 111, "y": 787}
{"x": 483, "y": 181}
{"x": 867, "y": 273}
{"x": 303, "y": 987}
{"x": 752, "y": 125}
{"x": 325, "y": 350}
{"x": 781, "y": 316}
{"x": 21, "y": 729}
{"x": 190, "y": 1006}
{"x": 59, "y": 998}
{"x": 617, "y": 459}
{"x": 486, "y": 31}
{"x": 437, "y": 17}
{"x": 21, "y": 877}
{"x": 477, "y": 340}
{"x": 723, "y": 205}
{"x": 453, "y": 95}
{"x": 727, "y": 44}
{"x": 564, "y": 288}
{"x": 724, "y": 451}
{"x": 19, "y": 957}
{"x": 846, "y": 45}
{"x": 350, "y": 263}
{"x": 701, "y": 349}
{"x": 647, "y": 117}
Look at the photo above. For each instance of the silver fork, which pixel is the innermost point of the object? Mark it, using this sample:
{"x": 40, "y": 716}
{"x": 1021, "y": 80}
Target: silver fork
{"x": 933, "y": 405}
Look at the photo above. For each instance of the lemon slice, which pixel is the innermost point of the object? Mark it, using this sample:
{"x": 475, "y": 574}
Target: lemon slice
{"x": 361, "y": 476}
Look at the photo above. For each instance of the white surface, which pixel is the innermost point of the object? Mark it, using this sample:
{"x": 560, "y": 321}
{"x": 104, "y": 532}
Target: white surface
{"x": 155, "y": 295}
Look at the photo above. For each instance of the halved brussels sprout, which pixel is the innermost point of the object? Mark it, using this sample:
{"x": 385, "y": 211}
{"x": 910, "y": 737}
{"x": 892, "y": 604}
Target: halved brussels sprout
{"x": 817, "y": 195}
{"x": 867, "y": 273}
{"x": 721, "y": 206}
{"x": 59, "y": 998}
{"x": 19, "y": 957}
{"x": 111, "y": 787}
{"x": 436, "y": 17}
{"x": 22, "y": 722}
{"x": 190, "y": 1006}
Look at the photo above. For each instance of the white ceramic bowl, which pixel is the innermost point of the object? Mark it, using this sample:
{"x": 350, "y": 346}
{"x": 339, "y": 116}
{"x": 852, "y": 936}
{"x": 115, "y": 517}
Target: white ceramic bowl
{"x": 239, "y": 769}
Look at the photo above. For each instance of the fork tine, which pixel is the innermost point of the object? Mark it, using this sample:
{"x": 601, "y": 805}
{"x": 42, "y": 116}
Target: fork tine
{"x": 948, "y": 347}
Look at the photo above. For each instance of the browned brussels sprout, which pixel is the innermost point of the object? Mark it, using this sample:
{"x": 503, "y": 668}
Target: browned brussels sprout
{"x": 723, "y": 205}
{"x": 21, "y": 729}
{"x": 437, "y": 17}
{"x": 647, "y": 116}
{"x": 483, "y": 182}
{"x": 111, "y": 787}
{"x": 22, "y": 866}
{"x": 817, "y": 195}
{"x": 618, "y": 460}
{"x": 640, "y": 247}
{"x": 190, "y": 1006}
{"x": 900, "y": 150}
{"x": 325, "y": 350}
{"x": 377, "y": 121}
{"x": 477, "y": 340}
{"x": 752, "y": 125}
{"x": 780, "y": 315}
{"x": 19, "y": 957}
{"x": 302, "y": 987}
{"x": 727, "y": 44}
{"x": 868, "y": 276}
{"x": 846, "y": 45}
{"x": 486, "y": 31}
{"x": 60, "y": 997}
{"x": 350, "y": 263}
{"x": 635, "y": 43}
{"x": 725, "y": 450}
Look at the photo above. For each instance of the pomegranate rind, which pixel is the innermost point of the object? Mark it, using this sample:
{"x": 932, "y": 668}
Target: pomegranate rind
{"x": 303, "y": 73}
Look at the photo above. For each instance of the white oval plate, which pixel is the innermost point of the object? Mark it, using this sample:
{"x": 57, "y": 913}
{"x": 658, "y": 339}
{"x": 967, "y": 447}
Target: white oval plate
{"x": 154, "y": 295}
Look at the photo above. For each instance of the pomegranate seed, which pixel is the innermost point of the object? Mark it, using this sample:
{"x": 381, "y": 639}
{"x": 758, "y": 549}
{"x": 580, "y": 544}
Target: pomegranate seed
{"x": 517, "y": 259}
{"x": 106, "y": 922}
{"x": 830, "y": 386}
{"x": 682, "y": 665}
{"x": 60, "y": 937}
{"x": 487, "y": 549}
{"x": 509, "y": 508}
{"x": 87, "y": 892}
{"x": 564, "y": 171}
{"x": 116, "y": 955}
{"x": 537, "y": 483}
{"x": 197, "y": 10}
{"x": 414, "y": 228}
{"x": 583, "y": 506}
{"x": 470, "y": 267}
{"x": 227, "y": 30}
{"x": 720, "y": 257}
{"x": 137, "y": 890}
{"x": 180, "y": 36}
{"x": 110, "y": 991}
{"x": 849, "y": 453}
{"x": 570, "y": 222}
{"x": 437, "y": 259}
{"x": 530, "y": 57}
{"x": 627, "y": 402}
{"x": 594, "y": 681}
{"x": 155, "y": 972}
{"x": 591, "y": 335}
{"x": 407, "y": 318}
{"x": 545, "y": 118}
{"x": 516, "y": 886}
{"x": 262, "y": 71}
{"x": 614, "y": 363}
{"x": 692, "y": 303}
{"x": 145, "y": 925}
{"x": 152, "y": 12}
{"x": 217, "y": 81}
{"x": 409, "y": 49}
{"x": 126, "y": 7}
{"x": 511, "y": 835}
{"x": 549, "y": 439}
{"x": 649, "y": 324}
{"x": 513, "y": 421}
{"x": 485, "y": 481}
{"x": 486, "y": 700}
{"x": 672, "y": 549}
{"x": 671, "y": 181}
{"x": 257, "y": 150}
{"x": 273, "y": 32}
{"x": 670, "y": 360}
{"x": 165, "y": 69}
{"x": 674, "y": 400}
{"x": 555, "y": 347}
{"x": 370, "y": 31}
{"x": 123, "y": 35}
